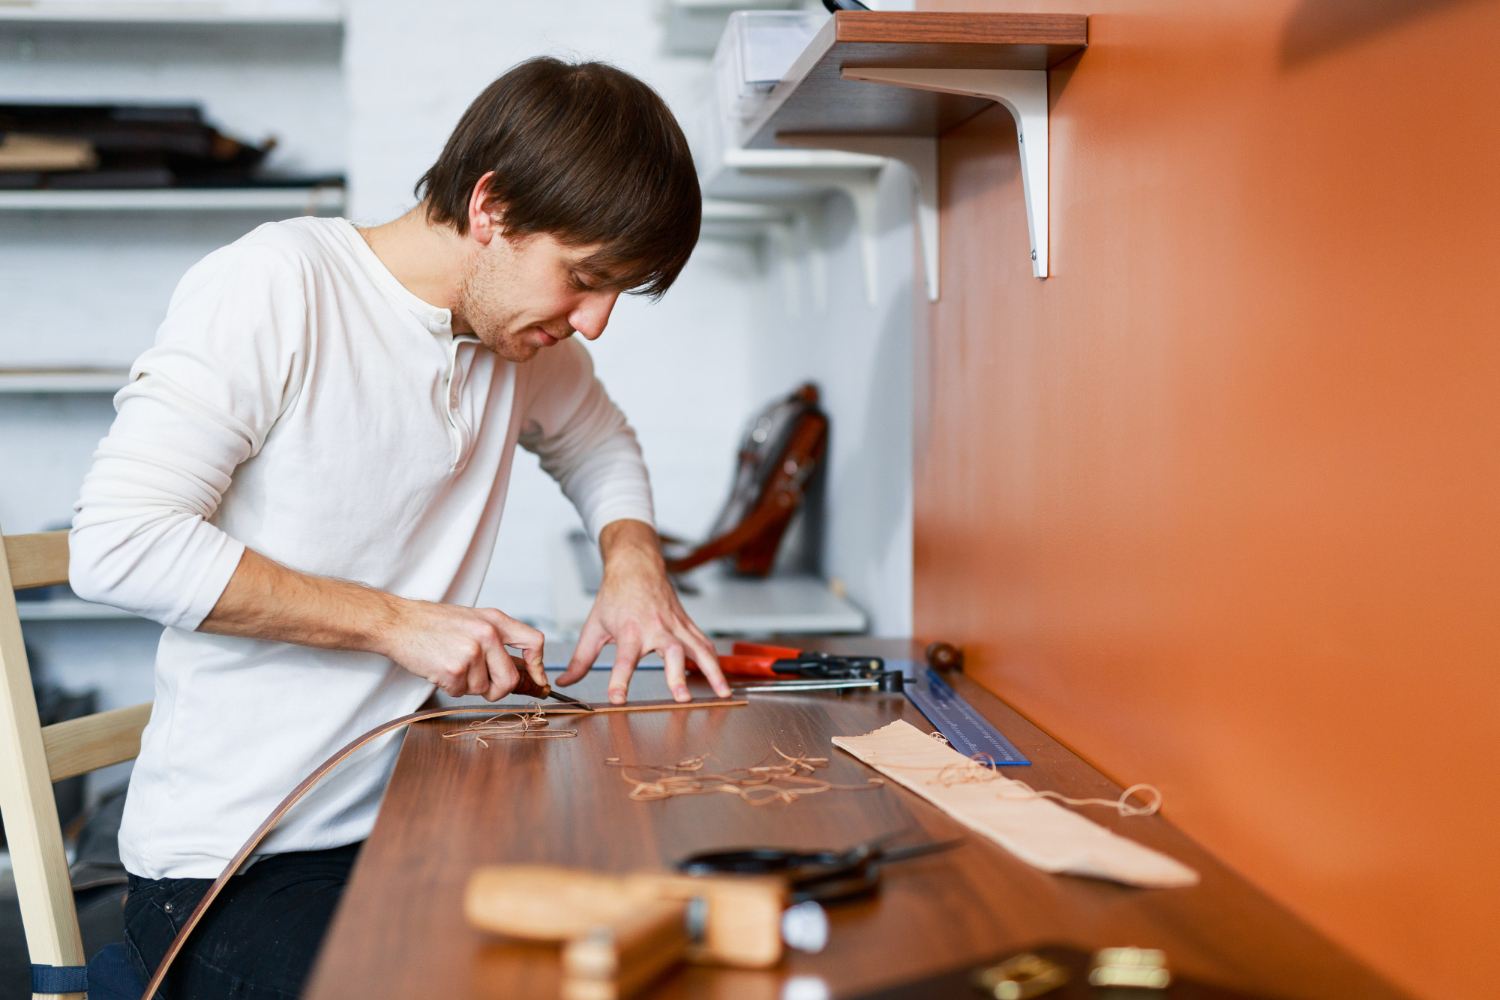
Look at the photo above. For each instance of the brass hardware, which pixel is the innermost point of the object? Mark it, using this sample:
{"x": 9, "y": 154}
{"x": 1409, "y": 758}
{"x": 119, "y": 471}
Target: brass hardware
{"x": 1020, "y": 977}
{"x": 1138, "y": 968}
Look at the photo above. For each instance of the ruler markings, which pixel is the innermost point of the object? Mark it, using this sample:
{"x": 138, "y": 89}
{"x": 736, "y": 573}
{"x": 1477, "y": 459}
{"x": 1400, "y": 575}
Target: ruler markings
{"x": 965, "y": 729}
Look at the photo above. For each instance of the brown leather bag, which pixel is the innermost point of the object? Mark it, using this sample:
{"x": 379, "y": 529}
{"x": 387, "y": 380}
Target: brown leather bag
{"x": 781, "y": 449}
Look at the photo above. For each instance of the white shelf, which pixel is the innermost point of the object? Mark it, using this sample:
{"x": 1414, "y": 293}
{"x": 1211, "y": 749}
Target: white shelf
{"x": 172, "y": 13}
{"x": 310, "y": 200}
{"x": 738, "y": 220}
{"x": 62, "y": 380}
{"x": 67, "y": 609}
{"x": 724, "y": 604}
{"x": 694, "y": 26}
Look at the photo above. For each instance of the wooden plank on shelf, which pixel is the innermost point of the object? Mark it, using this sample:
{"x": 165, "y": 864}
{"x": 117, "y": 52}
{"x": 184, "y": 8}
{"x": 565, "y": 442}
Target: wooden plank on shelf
{"x": 814, "y": 98}
{"x": 308, "y": 200}
{"x": 49, "y": 380}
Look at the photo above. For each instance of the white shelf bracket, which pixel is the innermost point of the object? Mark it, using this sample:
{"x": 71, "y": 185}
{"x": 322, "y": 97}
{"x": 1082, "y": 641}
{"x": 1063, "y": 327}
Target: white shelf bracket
{"x": 860, "y": 184}
{"x": 1023, "y": 92}
{"x": 920, "y": 155}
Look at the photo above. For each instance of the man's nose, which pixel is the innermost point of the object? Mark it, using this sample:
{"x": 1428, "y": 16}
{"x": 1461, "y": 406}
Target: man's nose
{"x": 592, "y": 315}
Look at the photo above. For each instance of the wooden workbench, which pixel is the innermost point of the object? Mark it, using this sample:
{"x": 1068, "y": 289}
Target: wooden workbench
{"x": 453, "y": 805}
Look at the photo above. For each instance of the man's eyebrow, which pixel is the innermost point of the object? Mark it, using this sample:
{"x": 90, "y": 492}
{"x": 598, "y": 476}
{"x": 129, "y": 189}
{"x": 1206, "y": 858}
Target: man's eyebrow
{"x": 596, "y": 276}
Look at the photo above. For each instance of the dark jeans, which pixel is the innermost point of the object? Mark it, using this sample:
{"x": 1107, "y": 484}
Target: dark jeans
{"x": 257, "y": 940}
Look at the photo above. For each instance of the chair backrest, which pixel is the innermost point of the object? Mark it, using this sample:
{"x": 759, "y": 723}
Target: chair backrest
{"x": 33, "y": 757}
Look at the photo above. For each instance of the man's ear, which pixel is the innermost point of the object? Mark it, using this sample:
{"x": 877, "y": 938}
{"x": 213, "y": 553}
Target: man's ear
{"x": 484, "y": 212}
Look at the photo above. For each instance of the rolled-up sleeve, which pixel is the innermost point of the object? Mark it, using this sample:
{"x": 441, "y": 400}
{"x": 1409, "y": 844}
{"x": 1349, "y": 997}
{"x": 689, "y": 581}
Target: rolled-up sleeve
{"x": 584, "y": 441}
{"x": 226, "y": 361}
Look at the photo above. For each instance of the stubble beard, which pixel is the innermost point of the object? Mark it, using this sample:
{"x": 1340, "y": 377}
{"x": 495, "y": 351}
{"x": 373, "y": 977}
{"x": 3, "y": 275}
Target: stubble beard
{"x": 483, "y": 307}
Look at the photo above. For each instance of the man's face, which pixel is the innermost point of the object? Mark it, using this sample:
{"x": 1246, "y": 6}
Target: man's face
{"x": 519, "y": 296}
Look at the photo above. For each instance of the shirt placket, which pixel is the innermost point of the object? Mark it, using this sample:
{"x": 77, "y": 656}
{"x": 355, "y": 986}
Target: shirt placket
{"x": 459, "y": 432}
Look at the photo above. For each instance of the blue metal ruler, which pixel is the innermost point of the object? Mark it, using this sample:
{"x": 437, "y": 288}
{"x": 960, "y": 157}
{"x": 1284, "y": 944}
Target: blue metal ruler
{"x": 967, "y": 731}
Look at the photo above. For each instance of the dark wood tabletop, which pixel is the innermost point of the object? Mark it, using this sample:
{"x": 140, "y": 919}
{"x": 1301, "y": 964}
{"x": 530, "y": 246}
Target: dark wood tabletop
{"x": 454, "y": 805}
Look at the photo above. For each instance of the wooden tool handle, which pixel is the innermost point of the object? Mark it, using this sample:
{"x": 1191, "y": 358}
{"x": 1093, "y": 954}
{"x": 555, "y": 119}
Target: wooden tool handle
{"x": 526, "y": 686}
{"x": 547, "y": 903}
{"x": 615, "y": 961}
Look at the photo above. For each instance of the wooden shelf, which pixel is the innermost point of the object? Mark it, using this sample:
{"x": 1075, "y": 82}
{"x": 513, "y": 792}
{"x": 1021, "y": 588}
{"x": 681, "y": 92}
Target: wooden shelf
{"x": 815, "y": 96}
{"x": 311, "y": 200}
{"x": 890, "y": 83}
{"x": 53, "y": 380}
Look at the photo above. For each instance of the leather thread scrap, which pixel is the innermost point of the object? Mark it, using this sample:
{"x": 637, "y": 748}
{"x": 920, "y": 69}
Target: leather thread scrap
{"x": 761, "y": 784}
{"x": 981, "y": 768}
{"x": 525, "y": 724}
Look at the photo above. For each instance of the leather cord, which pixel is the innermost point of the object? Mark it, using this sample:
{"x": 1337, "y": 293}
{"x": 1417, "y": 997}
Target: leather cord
{"x": 240, "y": 857}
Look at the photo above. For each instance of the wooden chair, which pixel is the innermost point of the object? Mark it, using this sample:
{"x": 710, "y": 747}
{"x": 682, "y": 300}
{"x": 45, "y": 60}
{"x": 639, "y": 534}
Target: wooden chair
{"x": 31, "y": 759}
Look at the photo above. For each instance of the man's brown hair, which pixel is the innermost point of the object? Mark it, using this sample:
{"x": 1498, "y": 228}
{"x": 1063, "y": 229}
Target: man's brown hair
{"x": 586, "y": 153}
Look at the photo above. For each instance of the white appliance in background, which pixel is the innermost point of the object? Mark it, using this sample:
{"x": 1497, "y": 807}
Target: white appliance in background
{"x": 757, "y": 50}
{"x": 721, "y": 603}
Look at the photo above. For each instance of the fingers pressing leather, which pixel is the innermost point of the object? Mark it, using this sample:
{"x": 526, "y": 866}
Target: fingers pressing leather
{"x": 703, "y": 653}
{"x": 627, "y": 655}
{"x": 593, "y": 638}
{"x": 675, "y": 658}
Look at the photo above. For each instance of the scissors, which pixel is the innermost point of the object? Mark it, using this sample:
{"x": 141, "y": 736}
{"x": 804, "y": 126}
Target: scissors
{"x": 825, "y": 876}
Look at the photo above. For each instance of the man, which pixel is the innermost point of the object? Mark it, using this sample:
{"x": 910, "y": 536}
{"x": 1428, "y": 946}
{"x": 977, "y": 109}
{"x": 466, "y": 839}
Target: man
{"x": 306, "y": 475}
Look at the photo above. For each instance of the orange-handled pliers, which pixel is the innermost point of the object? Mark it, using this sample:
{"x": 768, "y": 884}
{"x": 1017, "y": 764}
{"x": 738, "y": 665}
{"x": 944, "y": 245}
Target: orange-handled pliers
{"x": 752, "y": 659}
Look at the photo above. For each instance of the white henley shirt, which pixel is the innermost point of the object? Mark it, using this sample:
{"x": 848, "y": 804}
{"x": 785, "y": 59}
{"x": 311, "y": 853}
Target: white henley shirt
{"x": 300, "y": 401}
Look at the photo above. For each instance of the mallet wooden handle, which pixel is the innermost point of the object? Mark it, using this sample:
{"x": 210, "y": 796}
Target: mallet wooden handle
{"x": 741, "y": 926}
{"x": 615, "y": 961}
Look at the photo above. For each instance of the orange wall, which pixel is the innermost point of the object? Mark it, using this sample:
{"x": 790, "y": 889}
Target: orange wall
{"x": 1219, "y": 503}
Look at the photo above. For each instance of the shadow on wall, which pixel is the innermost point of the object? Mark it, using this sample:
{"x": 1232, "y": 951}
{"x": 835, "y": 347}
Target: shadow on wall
{"x": 1319, "y": 27}
{"x": 871, "y": 472}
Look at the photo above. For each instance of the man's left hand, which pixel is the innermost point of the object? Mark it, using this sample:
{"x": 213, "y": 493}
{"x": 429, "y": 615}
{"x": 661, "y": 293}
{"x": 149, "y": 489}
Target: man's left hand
{"x": 637, "y": 609}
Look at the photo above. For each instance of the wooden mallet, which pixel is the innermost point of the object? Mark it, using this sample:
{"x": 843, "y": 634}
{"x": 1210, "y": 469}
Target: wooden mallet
{"x": 621, "y": 932}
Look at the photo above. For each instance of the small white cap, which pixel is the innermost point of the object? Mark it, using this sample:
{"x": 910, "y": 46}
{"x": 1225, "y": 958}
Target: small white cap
{"x": 805, "y": 927}
{"x": 805, "y": 988}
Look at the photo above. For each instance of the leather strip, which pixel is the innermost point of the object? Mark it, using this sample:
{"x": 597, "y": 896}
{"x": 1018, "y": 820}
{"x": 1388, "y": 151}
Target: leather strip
{"x": 241, "y": 856}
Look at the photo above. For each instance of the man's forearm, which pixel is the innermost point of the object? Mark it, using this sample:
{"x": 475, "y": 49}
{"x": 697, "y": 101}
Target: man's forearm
{"x": 461, "y": 650}
{"x": 265, "y": 600}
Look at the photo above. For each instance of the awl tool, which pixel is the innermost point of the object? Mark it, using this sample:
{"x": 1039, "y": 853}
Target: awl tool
{"x": 531, "y": 689}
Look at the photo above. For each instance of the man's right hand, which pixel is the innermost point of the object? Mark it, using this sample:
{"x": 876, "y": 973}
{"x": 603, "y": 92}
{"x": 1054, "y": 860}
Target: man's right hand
{"x": 461, "y": 650}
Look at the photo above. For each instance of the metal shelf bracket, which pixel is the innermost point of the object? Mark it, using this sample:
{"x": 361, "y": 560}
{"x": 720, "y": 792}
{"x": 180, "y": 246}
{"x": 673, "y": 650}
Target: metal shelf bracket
{"x": 1023, "y": 92}
{"x": 920, "y": 155}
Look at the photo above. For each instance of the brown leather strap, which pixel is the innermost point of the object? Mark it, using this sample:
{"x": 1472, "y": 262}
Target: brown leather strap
{"x": 244, "y": 852}
{"x": 782, "y": 495}
{"x": 758, "y": 520}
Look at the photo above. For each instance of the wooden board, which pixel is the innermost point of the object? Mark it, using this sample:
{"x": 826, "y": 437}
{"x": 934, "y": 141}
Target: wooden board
{"x": 814, "y": 98}
{"x": 39, "y": 560}
{"x": 79, "y": 746}
{"x": 453, "y": 806}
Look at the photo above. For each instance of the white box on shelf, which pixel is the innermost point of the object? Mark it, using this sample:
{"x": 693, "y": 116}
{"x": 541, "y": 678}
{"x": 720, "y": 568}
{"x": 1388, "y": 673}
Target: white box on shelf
{"x": 757, "y": 49}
